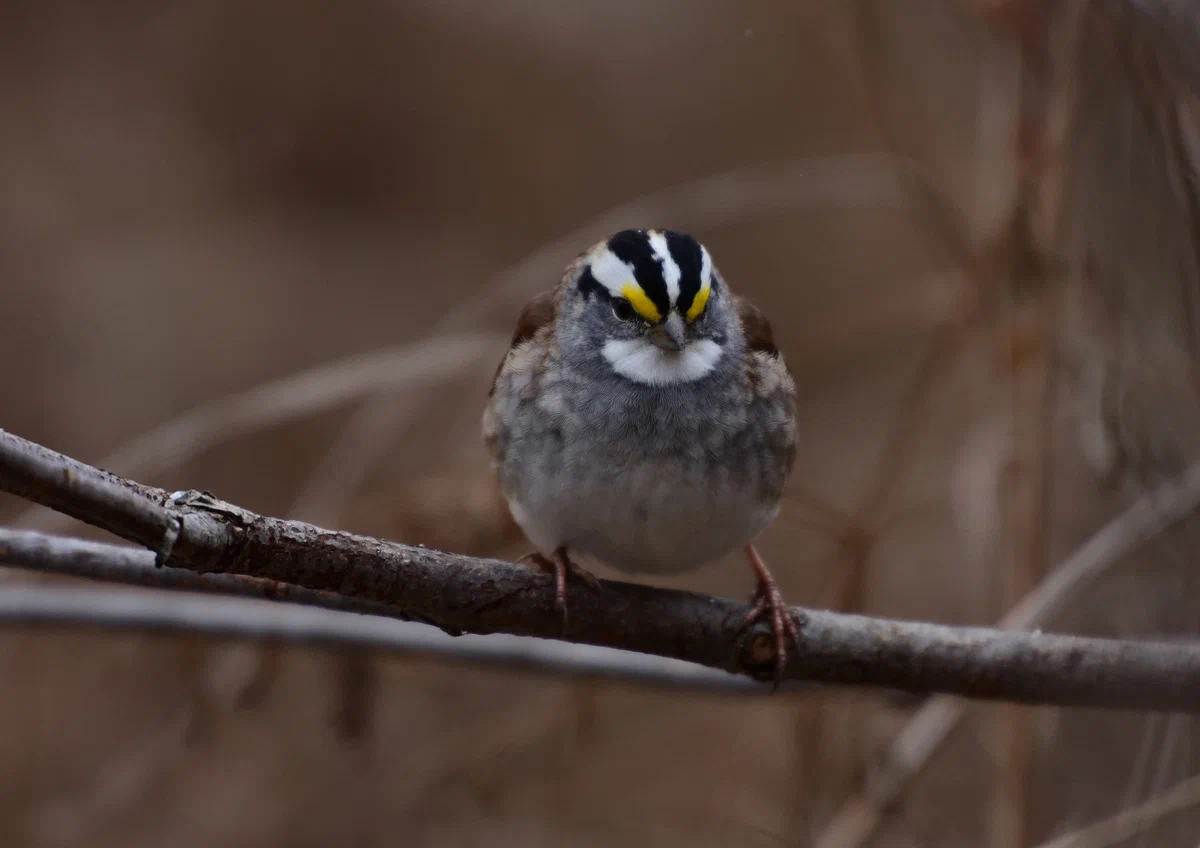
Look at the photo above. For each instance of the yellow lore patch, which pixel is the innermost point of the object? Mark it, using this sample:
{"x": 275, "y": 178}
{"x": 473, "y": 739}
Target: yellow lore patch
{"x": 641, "y": 303}
{"x": 698, "y": 302}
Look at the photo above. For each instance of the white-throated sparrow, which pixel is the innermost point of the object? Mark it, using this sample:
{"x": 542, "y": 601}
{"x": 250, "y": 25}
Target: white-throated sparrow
{"x": 644, "y": 417}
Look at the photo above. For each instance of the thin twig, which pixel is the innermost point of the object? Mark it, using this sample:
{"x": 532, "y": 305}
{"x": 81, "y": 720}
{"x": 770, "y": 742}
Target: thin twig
{"x": 946, "y": 227}
{"x": 369, "y": 432}
{"x": 943, "y": 223}
{"x": 1035, "y": 225}
{"x": 1033, "y": 386}
{"x": 491, "y": 596}
{"x": 305, "y": 393}
{"x": 914, "y": 747}
{"x": 1180, "y": 798}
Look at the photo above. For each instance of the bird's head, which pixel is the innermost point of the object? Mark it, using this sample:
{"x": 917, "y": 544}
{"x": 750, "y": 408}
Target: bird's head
{"x": 651, "y": 304}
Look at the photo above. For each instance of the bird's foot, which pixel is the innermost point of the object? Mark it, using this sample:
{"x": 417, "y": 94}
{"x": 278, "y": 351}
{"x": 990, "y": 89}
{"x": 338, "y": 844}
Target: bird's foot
{"x": 561, "y": 565}
{"x": 768, "y": 599}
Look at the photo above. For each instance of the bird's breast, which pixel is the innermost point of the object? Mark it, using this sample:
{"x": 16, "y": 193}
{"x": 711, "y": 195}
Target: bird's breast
{"x": 662, "y": 514}
{"x": 645, "y": 481}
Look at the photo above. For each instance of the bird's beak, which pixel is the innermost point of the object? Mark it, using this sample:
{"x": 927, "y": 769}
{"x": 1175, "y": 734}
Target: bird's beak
{"x": 670, "y": 334}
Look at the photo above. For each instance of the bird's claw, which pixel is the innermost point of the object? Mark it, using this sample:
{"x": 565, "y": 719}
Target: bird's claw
{"x": 784, "y": 625}
{"x": 561, "y": 565}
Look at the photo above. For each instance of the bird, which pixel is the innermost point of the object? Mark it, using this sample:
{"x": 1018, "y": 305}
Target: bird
{"x": 644, "y": 418}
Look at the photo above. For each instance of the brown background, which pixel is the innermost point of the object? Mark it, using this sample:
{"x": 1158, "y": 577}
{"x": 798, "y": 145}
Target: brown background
{"x": 196, "y": 198}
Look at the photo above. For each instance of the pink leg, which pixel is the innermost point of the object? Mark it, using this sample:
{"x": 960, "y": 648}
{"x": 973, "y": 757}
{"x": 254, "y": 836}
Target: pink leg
{"x": 769, "y": 598}
{"x": 560, "y": 563}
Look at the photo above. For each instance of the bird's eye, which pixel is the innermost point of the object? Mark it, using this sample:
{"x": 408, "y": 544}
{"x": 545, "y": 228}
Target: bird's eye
{"x": 623, "y": 309}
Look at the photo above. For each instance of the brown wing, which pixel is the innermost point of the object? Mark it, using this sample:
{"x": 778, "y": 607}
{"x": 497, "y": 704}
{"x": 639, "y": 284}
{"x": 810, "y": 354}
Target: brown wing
{"x": 756, "y": 327}
{"x": 537, "y": 313}
{"x": 759, "y": 370}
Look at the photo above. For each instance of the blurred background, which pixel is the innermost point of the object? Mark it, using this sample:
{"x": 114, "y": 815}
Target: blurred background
{"x": 275, "y": 250}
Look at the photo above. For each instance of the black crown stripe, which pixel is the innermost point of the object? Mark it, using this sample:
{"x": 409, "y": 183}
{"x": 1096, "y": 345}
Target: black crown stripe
{"x": 687, "y": 253}
{"x": 633, "y": 247}
{"x": 589, "y": 286}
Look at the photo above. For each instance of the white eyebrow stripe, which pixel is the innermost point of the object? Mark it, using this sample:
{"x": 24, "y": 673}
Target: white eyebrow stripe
{"x": 705, "y": 268}
{"x": 670, "y": 268}
{"x": 610, "y": 271}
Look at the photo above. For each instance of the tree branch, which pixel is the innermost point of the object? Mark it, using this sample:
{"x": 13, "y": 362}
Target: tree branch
{"x": 34, "y": 551}
{"x": 164, "y": 612}
{"x": 200, "y": 533}
{"x": 184, "y": 613}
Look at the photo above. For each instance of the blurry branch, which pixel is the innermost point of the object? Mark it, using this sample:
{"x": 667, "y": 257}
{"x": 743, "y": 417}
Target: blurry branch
{"x": 899, "y": 446}
{"x": 35, "y": 551}
{"x": 357, "y": 686}
{"x": 1017, "y": 223}
{"x": 962, "y": 232}
{"x": 1034, "y": 227}
{"x": 484, "y": 743}
{"x": 241, "y": 618}
{"x": 914, "y": 747}
{"x": 306, "y": 393}
{"x": 1128, "y": 823}
{"x": 303, "y": 394}
{"x": 973, "y": 260}
{"x": 368, "y": 434}
{"x": 196, "y": 531}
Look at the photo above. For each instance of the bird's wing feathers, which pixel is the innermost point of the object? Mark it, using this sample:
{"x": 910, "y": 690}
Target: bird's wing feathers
{"x": 769, "y": 375}
{"x": 538, "y": 313}
{"x": 755, "y": 327}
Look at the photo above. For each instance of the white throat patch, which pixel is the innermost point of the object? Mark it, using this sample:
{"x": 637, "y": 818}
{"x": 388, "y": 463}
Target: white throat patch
{"x": 644, "y": 362}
